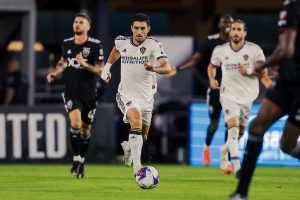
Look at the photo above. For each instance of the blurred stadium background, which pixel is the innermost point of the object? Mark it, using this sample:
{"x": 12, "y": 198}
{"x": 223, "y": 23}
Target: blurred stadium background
{"x": 35, "y": 130}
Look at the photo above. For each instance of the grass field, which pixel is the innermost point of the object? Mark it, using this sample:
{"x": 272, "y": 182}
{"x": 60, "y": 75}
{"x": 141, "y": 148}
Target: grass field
{"x": 53, "y": 181}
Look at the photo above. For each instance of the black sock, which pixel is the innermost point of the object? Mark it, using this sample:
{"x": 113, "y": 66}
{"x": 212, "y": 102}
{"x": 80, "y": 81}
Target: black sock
{"x": 75, "y": 140}
{"x": 146, "y": 152}
{"x": 85, "y": 143}
{"x": 253, "y": 149}
{"x": 296, "y": 152}
{"x": 209, "y": 136}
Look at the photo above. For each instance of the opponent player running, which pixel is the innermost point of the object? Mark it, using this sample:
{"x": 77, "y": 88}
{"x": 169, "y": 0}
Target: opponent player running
{"x": 138, "y": 83}
{"x": 81, "y": 64}
{"x": 239, "y": 86}
{"x": 204, "y": 52}
{"x": 283, "y": 99}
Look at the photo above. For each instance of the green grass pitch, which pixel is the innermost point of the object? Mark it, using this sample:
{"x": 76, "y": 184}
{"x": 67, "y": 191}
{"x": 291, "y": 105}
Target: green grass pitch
{"x": 53, "y": 181}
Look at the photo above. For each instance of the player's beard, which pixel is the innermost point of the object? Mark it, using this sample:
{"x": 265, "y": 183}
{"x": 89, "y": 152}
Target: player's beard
{"x": 78, "y": 33}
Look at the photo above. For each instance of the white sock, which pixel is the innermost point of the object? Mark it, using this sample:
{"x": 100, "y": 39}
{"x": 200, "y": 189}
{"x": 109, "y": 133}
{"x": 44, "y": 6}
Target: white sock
{"x": 233, "y": 146}
{"x": 136, "y": 144}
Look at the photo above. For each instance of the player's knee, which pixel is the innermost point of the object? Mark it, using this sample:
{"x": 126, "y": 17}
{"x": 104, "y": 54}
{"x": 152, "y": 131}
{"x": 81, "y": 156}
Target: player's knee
{"x": 85, "y": 131}
{"x": 136, "y": 122}
{"x": 257, "y": 126}
{"x": 76, "y": 124}
{"x": 285, "y": 147}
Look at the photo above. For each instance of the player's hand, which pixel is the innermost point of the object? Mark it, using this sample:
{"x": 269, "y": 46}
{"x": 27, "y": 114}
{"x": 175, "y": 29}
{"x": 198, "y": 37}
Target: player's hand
{"x": 80, "y": 60}
{"x": 149, "y": 67}
{"x": 267, "y": 81}
{"x": 173, "y": 72}
{"x": 50, "y": 77}
{"x": 242, "y": 69}
{"x": 105, "y": 76}
{"x": 214, "y": 84}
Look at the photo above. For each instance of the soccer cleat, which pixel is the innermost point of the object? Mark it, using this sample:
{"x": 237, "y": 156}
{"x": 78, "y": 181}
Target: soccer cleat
{"x": 139, "y": 171}
{"x": 80, "y": 171}
{"x": 237, "y": 197}
{"x": 237, "y": 174}
{"x": 228, "y": 169}
{"x": 74, "y": 167}
{"x": 206, "y": 156}
{"x": 127, "y": 159}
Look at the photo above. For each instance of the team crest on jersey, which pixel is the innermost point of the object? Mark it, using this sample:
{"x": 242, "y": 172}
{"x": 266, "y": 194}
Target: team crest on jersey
{"x": 86, "y": 51}
{"x": 128, "y": 103}
{"x": 69, "y": 104}
{"x": 246, "y": 57}
{"x": 142, "y": 50}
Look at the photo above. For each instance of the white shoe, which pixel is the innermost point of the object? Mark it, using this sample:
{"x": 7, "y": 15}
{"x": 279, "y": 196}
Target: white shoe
{"x": 127, "y": 159}
{"x": 237, "y": 197}
{"x": 223, "y": 157}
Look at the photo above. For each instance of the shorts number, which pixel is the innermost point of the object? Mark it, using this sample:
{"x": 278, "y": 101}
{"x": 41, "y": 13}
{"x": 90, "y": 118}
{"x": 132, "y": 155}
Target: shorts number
{"x": 91, "y": 114}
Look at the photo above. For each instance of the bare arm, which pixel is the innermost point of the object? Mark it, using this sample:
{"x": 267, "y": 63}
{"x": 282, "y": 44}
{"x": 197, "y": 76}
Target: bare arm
{"x": 284, "y": 49}
{"x": 163, "y": 68}
{"x": 195, "y": 59}
{"x": 113, "y": 57}
{"x": 9, "y": 95}
{"x": 211, "y": 71}
{"x": 60, "y": 66}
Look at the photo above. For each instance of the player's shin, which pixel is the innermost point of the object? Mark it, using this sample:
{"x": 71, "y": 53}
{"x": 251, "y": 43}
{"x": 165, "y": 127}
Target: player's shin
{"x": 75, "y": 142}
{"x": 232, "y": 143}
{"x": 85, "y": 143}
{"x": 136, "y": 142}
{"x": 253, "y": 149}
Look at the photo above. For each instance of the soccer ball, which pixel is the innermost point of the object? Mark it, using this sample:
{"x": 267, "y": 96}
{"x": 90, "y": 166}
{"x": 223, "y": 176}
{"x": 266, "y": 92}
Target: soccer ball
{"x": 148, "y": 177}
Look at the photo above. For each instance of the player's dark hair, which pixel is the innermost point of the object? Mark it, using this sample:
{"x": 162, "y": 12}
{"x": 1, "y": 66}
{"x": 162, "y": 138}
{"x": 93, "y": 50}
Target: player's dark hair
{"x": 241, "y": 22}
{"x": 226, "y": 16}
{"x": 140, "y": 17}
{"x": 84, "y": 15}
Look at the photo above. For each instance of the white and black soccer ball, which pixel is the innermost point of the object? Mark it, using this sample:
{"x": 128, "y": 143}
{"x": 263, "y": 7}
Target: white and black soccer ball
{"x": 148, "y": 177}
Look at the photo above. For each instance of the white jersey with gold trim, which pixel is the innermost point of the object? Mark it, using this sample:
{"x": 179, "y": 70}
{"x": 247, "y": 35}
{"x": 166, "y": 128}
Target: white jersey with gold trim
{"x": 136, "y": 81}
{"x": 242, "y": 89}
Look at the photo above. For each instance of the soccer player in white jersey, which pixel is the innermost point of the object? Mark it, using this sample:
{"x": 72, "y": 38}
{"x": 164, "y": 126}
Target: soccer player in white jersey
{"x": 139, "y": 54}
{"x": 239, "y": 88}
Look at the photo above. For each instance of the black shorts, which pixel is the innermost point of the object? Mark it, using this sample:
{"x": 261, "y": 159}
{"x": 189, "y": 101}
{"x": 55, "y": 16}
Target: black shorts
{"x": 87, "y": 108}
{"x": 214, "y": 105}
{"x": 286, "y": 95}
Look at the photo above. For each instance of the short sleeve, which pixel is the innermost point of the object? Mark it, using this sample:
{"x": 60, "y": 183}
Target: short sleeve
{"x": 99, "y": 55}
{"x": 260, "y": 56}
{"x": 119, "y": 42}
{"x": 158, "y": 50}
{"x": 216, "y": 57}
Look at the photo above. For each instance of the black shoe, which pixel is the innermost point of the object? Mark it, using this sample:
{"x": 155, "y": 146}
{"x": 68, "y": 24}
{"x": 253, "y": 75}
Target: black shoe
{"x": 80, "y": 171}
{"x": 74, "y": 167}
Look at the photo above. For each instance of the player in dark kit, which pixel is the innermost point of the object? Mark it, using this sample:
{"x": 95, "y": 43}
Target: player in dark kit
{"x": 283, "y": 99}
{"x": 204, "y": 52}
{"x": 81, "y": 64}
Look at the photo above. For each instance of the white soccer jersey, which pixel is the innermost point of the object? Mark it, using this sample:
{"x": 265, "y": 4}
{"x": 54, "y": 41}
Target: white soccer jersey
{"x": 136, "y": 81}
{"x": 240, "y": 88}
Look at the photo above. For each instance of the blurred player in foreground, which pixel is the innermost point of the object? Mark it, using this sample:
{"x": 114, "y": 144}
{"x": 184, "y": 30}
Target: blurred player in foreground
{"x": 138, "y": 84}
{"x": 283, "y": 99}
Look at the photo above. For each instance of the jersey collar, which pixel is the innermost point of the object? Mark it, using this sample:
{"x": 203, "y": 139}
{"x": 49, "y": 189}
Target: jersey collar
{"x": 132, "y": 43}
